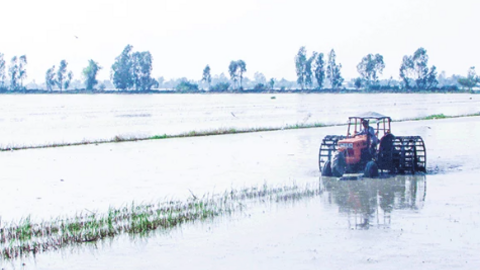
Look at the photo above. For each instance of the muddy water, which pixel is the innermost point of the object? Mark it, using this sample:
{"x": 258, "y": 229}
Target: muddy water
{"x": 57, "y": 181}
{"x": 427, "y": 221}
{"x": 41, "y": 119}
{"x": 419, "y": 222}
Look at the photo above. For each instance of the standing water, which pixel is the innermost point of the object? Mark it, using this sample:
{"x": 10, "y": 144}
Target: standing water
{"x": 422, "y": 221}
{"x": 46, "y": 119}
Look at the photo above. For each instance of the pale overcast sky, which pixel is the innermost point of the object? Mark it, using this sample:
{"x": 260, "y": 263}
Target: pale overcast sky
{"x": 186, "y": 35}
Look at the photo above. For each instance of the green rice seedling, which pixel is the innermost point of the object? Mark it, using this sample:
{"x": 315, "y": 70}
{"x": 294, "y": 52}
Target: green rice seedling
{"x": 26, "y": 237}
{"x": 435, "y": 116}
{"x": 317, "y": 125}
{"x": 111, "y": 219}
{"x": 23, "y": 230}
{"x": 158, "y": 137}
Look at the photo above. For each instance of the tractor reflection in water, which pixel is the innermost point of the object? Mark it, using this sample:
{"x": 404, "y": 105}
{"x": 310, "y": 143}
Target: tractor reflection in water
{"x": 371, "y": 202}
{"x": 358, "y": 153}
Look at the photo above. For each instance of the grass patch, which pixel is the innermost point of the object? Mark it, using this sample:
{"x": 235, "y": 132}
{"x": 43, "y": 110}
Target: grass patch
{"x": 438, "y": 116}
{"x": 25, "y": 238}
{"x": 159, "y": 137}
{"x": 432, "y": 117}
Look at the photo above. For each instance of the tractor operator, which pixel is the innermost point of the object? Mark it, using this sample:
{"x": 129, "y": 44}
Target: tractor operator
{"x": 368, "y": 130}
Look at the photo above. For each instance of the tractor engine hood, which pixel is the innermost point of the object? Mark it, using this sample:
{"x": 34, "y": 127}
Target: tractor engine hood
{"x": 359, "y": 141}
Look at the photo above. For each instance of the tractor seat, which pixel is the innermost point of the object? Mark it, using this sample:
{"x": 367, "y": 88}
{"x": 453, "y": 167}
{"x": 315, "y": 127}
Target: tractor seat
{"x": 385, "y": 153}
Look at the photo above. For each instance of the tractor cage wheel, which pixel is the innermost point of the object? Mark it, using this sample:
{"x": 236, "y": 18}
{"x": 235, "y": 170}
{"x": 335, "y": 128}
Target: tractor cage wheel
{"x": 328, "y": 148}
{"x": 410, "y": 154}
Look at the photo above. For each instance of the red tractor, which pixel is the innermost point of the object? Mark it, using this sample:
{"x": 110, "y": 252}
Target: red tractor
{"x": 371, "y": 152}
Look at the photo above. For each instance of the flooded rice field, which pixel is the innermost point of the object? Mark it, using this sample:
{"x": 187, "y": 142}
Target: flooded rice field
{"x": 46, "y": 119}
{"x": 427, "y": 221}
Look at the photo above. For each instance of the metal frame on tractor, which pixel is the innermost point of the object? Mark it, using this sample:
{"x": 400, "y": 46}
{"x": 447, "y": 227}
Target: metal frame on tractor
{"x": 393, "y": 154}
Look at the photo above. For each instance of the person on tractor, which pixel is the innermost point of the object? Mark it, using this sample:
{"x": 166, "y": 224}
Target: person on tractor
{"x": 370, "y": 132}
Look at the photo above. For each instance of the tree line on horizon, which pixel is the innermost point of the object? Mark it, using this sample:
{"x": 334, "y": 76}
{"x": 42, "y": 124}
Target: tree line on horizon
{"x": 414, "y": 73}
{"x": 131, "y": 71}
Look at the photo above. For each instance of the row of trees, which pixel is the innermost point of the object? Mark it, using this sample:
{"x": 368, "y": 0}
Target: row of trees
{"x": 17, "y": 72}
{"x": 470, "y": 81}
{"x": 236, "y": 70}
{"x": 132, "y": 71}
{"x": 61, "y": 78}
{"x": 314, "y": 66}
{"x": 414, "y": 71}
{"x": 369, "y": 69}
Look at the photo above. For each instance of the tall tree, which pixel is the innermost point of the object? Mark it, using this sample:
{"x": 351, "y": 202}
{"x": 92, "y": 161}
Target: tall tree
{"x": 63, "y": 78}
{"x": 17, "y": 72}
{"x": 301, "y": 66}
{"x": 22, "y": 70}
{"x": 122, "y": 69}
{"x": 369, "y": 68}
{"x": 90, "y": 74}
{"x": 472, "y": 75}
{"x": 13, "y": 72}
{"x": 241, "y": 68}
{"x": 67, "y": 81}
{"x": 3, "y": 75}
{"x": 415, "y": 69}
{"x": 236, "y": 70}
{"x": 232, "y": 71}
{"x": 133, "y": 70}
{"x": 420, "y": 62}
{"x": 470, "y": 81}
{"x": 50, "y": 78}
{"x": 333, "y": 71}
{"x": 319, "y": 69}
{"x": 142, "y": 69}
{"x": 431, "y": 81}
{"x": 207, "y": 77}
{"x": 271, "y": 83}
{"x": 406, "y": 71}
{"x": 308, "y": 71}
